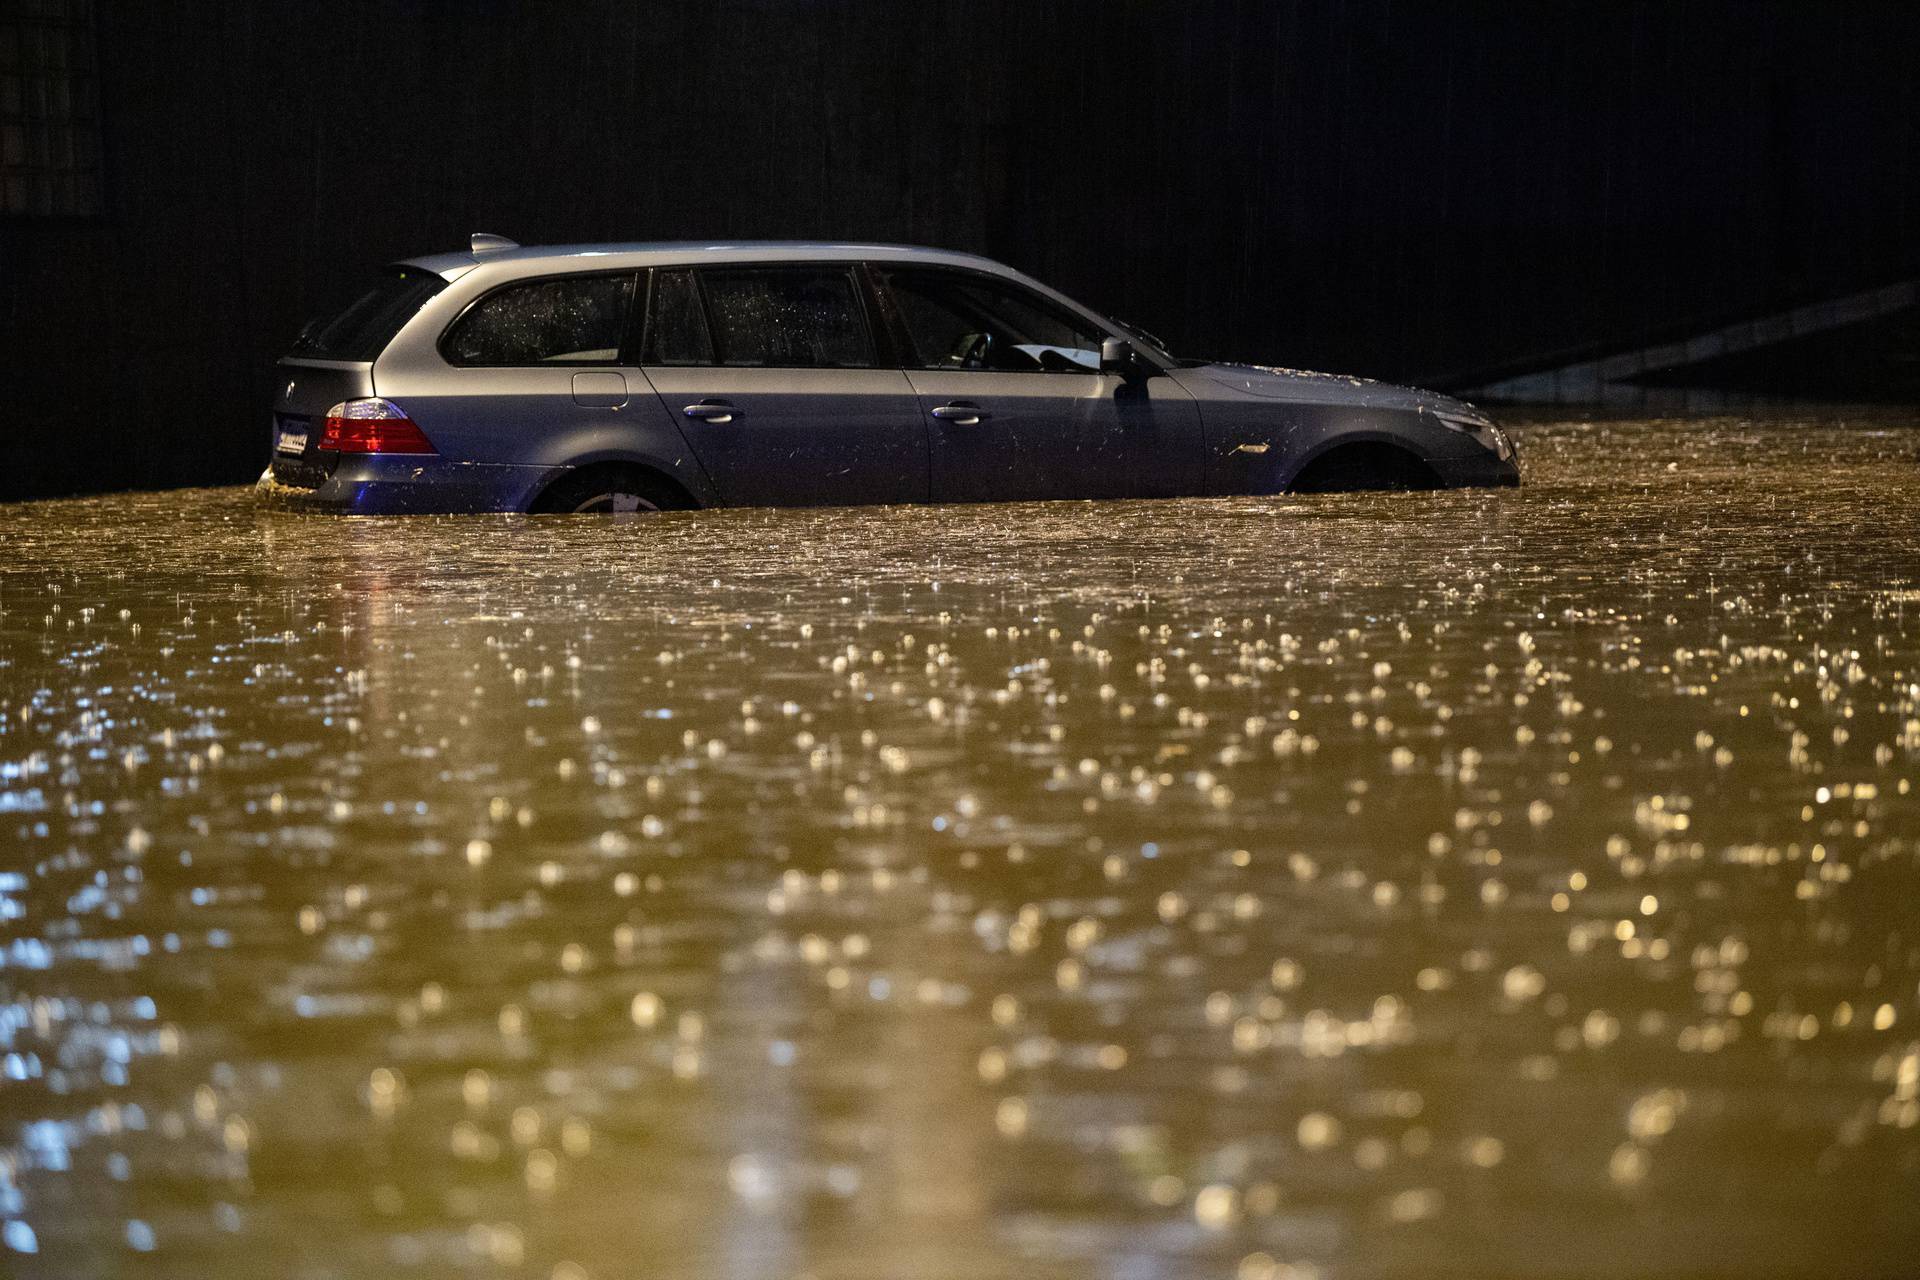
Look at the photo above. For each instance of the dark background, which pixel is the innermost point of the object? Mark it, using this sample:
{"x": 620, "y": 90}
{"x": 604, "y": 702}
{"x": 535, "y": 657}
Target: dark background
{"x": 1410, "y": 190}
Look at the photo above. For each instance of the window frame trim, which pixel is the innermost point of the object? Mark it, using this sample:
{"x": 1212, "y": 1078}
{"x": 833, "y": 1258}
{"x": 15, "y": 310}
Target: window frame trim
{"x": 642, "y": 334}
{"x": 632, "y": 275}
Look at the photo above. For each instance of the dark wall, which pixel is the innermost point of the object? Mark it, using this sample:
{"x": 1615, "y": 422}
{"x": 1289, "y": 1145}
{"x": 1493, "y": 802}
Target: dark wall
{"x": 1403, "y": 189}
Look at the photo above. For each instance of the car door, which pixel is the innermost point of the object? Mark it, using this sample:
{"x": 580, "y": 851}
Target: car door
{"x": 1018, "y": 407}
{"x": 773, "y": 368}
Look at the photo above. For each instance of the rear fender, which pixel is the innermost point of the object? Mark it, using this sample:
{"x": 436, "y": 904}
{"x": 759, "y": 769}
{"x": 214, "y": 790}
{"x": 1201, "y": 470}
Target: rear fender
{"x": 681, "y": 468}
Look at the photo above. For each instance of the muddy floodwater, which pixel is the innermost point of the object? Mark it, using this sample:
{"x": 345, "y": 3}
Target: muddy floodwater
{"x": 1512, "y": 883}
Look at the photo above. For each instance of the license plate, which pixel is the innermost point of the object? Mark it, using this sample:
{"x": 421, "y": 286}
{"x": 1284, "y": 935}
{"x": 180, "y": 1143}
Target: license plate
{"x": 292, "y": 440}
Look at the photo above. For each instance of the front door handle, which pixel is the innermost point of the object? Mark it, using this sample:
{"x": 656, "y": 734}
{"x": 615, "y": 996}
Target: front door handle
{"x": 711, "y": 411}
{"x": 960, "y": 413}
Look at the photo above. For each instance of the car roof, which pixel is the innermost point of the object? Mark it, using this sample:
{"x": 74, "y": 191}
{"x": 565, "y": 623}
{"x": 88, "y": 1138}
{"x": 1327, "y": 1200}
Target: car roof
{"x": 550, "y": 258}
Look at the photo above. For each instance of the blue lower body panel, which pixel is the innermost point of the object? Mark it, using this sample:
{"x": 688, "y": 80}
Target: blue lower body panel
{"x": 413, "y": 484}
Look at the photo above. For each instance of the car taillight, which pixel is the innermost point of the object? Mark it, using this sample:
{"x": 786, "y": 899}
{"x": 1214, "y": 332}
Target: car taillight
{"x": 372, "y": 426}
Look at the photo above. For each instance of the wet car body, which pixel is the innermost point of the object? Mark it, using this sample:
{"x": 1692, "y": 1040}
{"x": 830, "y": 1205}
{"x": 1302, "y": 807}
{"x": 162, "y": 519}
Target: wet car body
{"x": 639, "y": 376}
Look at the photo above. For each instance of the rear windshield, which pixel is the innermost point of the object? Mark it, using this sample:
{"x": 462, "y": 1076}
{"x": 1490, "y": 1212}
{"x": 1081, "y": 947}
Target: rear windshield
{"x": 362, "y": 329}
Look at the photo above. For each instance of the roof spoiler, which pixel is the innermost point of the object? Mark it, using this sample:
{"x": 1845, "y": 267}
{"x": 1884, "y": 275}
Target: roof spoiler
{"x": 483, "y": 242}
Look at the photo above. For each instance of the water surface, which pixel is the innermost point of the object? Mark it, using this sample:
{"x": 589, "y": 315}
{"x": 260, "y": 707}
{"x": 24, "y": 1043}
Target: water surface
{"x": 1470, "y": 884}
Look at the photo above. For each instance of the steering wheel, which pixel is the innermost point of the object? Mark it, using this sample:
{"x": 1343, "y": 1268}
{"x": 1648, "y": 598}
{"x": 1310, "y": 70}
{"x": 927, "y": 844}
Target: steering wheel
{"x": 972, "y": 351}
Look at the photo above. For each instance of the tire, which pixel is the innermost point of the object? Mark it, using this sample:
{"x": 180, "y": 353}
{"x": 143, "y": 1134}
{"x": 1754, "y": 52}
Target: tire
{"x": 610, "y": 491}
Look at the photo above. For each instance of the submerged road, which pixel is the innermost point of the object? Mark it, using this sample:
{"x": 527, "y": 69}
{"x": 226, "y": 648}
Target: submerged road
{"x": 1469, "y": 884}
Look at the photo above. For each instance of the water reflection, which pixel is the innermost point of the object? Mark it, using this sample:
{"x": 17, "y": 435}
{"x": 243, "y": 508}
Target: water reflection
{"x": 1481, "y": 883}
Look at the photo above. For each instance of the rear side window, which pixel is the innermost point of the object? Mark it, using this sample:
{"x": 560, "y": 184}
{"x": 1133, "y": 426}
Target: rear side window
{"x": 366, "y": 325}
{"x": 571, "y": 320}
{"x": 787, "y": 317}
{"x": 676, "y": 327}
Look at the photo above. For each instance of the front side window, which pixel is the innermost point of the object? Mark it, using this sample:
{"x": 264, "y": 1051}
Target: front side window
{"x": 787, "y": 317}
{"x": 572, "y": 320}
{"x": 958, "y": 320}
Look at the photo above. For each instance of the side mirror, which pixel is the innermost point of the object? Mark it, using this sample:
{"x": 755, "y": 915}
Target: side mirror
{"x": 1118, "y": 356}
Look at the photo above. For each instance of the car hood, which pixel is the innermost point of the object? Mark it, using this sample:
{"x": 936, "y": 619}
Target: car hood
{"x": 1303, "y": 386}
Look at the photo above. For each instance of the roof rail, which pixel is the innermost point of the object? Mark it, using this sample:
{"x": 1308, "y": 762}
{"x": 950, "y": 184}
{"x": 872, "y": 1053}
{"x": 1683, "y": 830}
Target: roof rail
{"x": 484, "y": 242}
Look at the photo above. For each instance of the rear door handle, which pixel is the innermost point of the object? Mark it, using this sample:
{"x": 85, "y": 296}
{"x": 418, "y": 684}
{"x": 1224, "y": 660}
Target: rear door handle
{"x": 960, "y": 413}
{"x": 711, "y": 411}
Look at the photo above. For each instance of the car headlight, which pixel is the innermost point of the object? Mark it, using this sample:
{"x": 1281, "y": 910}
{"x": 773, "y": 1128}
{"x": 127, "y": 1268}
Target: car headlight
{"x": 1483, "y": 430}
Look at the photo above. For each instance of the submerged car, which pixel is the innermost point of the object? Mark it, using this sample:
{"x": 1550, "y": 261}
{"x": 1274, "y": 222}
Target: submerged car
{"x": 634, "y": 377}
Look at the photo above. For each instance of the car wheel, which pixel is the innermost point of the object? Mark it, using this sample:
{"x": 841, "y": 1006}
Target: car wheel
{"x": 616, "y": 501}
{"x": 609, "y": 491}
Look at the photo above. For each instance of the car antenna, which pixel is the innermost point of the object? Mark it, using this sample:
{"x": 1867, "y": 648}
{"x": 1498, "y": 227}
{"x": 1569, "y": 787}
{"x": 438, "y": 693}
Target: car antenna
{"x": 485, "y": 242}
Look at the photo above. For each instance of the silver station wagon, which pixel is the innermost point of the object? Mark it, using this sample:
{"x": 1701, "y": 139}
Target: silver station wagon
{"x": 640, "y": 377}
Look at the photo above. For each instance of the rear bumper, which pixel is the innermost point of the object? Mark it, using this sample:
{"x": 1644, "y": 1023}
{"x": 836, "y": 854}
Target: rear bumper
{"x": 412, "y": 484}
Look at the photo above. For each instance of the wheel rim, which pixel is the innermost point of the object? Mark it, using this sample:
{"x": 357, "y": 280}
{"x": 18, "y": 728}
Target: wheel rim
{"x": 616, "y": 503}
